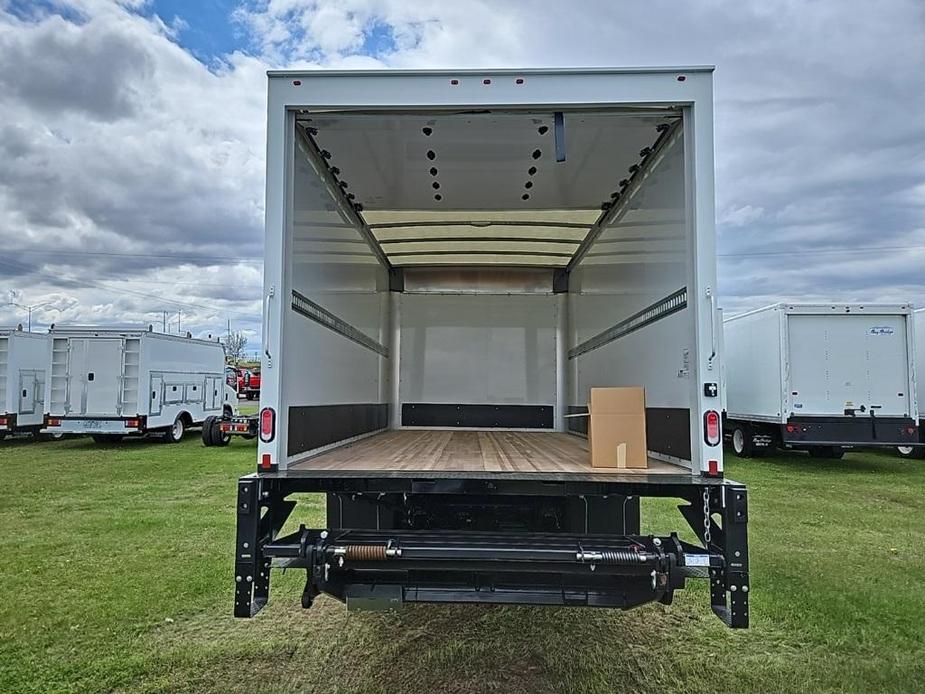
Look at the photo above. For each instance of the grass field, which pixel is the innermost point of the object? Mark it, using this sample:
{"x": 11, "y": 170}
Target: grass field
{"x": 118, "y": 563}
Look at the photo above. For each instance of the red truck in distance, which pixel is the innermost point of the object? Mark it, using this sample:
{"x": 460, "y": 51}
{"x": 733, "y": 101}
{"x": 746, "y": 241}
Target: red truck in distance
{"x": 245, "y": 381}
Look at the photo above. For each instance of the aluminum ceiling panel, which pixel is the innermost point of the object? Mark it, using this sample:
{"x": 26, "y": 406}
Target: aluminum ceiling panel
{"x": 482, "y": 161}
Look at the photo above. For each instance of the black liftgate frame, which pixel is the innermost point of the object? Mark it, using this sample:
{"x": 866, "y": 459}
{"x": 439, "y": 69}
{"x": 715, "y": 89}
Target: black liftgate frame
{"x": 397, "y": 538}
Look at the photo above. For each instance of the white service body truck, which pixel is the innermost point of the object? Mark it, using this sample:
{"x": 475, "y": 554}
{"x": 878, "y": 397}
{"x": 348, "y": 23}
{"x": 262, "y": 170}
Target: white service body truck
{"x": 111, "y": 382}
{"x": 453, "y": 260}
{"x": 24, "y": 359}
{"x": 820, "y": 377}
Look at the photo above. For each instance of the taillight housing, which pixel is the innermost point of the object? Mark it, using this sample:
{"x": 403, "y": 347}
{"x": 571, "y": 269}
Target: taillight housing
{"x": 53, "y": 422}
{"x": 267, "y": 424}
{"x": 132, "y": 423}
{"x": 3, "y": 422}
{"x": 712, "y": 428}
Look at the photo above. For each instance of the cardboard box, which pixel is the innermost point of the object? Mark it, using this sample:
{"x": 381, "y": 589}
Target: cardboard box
{"x": 617, "y": 428}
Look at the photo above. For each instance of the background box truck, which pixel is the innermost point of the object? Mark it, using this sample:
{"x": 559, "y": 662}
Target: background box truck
{"x": 24, "y": 358}
{"x": 819, "y": 377}
{"x": 919, "y": 331}
{"x": 453, "y": 260}
{"x": 111, "y": 383}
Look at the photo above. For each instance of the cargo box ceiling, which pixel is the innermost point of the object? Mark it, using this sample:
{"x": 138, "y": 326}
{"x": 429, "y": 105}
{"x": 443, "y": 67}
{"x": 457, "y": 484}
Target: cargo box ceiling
{"x": 485, "y": 188}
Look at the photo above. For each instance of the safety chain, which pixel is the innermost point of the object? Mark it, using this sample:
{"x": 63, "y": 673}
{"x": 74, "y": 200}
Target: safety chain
{"x": 706, "y": 517}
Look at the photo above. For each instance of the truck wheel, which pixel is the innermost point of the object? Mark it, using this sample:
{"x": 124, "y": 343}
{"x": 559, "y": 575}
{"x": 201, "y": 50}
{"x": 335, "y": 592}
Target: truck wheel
{"x": 104, "y": 439}
{"x": 742, "y": 443}
{"x": 911, "y": 452}
{"x": 207, "y": 431}
{"x": 175, "y": 433}
{"x": 827, "y": 452}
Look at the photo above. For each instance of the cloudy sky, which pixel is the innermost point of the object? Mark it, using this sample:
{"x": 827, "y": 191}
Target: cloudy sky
{"x": 132, "y": 136}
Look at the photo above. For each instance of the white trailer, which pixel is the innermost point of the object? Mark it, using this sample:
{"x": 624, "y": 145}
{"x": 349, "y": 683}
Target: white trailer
{"x": 453, "y": 260}
{"x": 24, "y": 359}
{"x": 820, "y": 377}
{"x": 919, "y": 331}
{"x": 111, "y": 382}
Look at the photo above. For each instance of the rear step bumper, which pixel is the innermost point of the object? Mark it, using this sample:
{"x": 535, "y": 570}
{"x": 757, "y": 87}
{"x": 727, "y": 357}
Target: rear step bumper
{"x": 383, "y": 567}
{"x": 850, "y": 431}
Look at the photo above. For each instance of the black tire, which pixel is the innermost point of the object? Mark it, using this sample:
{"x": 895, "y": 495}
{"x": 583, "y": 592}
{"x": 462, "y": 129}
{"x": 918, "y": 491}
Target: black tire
{"x": 2, "y": 435}
{"x": 220, "y": 437}
{"x": 174, "y": 434}
{"x": 910, "y": 453}
{"x": 212, "y": 435}
{"x": 104, "y": 439}
{"x": 207, "y": 431}
{"x": 827, "y": 452}
{"x": 743, "y": 445}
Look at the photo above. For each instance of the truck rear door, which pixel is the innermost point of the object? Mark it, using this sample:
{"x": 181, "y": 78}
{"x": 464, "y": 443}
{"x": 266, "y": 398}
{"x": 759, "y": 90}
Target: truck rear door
{"x": 96, "y": 371}
{"x": 842, "y": 363}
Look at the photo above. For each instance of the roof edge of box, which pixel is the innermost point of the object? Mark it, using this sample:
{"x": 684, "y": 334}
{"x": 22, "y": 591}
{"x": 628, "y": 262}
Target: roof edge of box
{"x": 494, "y": 71}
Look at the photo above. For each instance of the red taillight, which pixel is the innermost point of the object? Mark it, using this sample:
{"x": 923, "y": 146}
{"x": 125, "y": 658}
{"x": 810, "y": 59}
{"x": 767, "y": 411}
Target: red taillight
{"x": 909, "y": 430}
{"x": 54, "y": 422}
{"x": 711, "y": 428}
{"x": 267, "y": 424}
{"x": 2, "y": 421}
{"x": 132, "y": 423}
{"x": 791, "y": 428}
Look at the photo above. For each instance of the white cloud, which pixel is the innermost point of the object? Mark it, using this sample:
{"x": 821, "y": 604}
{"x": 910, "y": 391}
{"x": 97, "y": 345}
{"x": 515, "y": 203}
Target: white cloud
{"x": 132, "y": 174}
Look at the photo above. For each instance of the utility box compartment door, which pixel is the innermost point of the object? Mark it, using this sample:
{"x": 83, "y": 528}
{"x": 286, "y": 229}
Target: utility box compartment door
{"x": 29, "y": 394}
{"x": 850, "y": 363}
{"x": 157, "y": 394}
{"x": 214, "y": 388}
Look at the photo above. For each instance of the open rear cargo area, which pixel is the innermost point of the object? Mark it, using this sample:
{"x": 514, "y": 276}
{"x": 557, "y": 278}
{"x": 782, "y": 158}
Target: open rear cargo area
{"x": 454, "y": 262}
{"x": 483, "y": 269}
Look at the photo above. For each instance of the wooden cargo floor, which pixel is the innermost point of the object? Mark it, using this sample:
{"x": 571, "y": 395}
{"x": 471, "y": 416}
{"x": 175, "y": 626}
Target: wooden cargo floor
{"x": 468, "y": 451}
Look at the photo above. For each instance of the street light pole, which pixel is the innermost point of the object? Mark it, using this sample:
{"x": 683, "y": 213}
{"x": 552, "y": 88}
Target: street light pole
{"x": 29, "y": 309}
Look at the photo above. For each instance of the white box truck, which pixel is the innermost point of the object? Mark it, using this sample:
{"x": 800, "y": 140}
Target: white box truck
{"x": 113, "y": 382}
{"x": 820, "y": 377}
{"x": 919, "y": 341}
{"x": 453, "y": 260}
{"x": 24, "y": 359}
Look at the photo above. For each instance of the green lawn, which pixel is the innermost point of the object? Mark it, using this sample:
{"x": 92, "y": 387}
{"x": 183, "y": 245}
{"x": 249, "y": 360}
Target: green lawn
{"x": 117, "y": 575}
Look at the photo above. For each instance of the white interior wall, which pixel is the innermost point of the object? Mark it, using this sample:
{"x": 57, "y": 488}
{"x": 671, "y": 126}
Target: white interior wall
{"x": 334, "y": 268}
{"x": 635, "y": 262}
{"x": 478, "y": 349}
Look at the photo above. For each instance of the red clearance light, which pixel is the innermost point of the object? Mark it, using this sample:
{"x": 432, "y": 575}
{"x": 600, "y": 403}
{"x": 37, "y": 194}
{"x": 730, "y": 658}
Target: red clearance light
{"x": 713, "y": 468}
{"x": 711, "y": 428}
{"x": 910, "y": 430}
{"x": 791, "y": 428}
{"x": 267, "y": 424}
{"x": 265, "y": 461}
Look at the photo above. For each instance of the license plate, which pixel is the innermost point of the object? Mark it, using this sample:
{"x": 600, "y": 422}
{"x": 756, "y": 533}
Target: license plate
{"x": 92, "y": 424}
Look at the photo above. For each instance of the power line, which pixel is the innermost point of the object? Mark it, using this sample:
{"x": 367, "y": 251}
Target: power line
{"x": 820, "y": 251}
{"x": 163, "y": 256}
